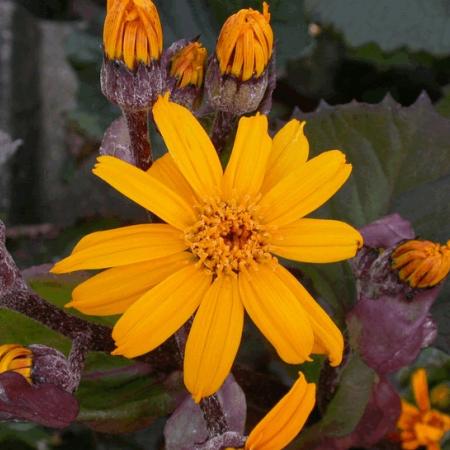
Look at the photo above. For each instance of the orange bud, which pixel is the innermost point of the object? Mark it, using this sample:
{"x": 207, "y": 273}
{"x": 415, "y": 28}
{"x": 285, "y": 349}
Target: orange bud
{"x": 15, "y": 358}
{"x": 132, "y": 32}
{"x": 245, "y": 44}
{"x": 188, "y": 65}
{"x": 422, "y": 264}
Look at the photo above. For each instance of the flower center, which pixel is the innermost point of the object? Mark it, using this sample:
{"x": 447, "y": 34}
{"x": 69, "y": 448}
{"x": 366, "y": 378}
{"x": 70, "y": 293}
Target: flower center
{"x": 228, "y": 237}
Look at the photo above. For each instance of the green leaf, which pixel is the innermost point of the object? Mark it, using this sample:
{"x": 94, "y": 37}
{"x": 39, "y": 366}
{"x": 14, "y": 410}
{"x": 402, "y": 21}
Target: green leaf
{"x": 404, "y": 23}
{"x": 122, "y": 401}
{"x": 399, "y": 157}
{"x": 347, "y": 406}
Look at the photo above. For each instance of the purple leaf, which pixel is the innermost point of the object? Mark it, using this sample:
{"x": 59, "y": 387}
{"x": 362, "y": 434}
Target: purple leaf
{"x": 116, "y": 141}
{"x": 379, "y": 419}
{"x": 387, "y": 231}
{"x": 390, "y": 331}
{"x": 43, "y": 404}
{"x": 186, "y": 427}
{"x": 390, "y": 323}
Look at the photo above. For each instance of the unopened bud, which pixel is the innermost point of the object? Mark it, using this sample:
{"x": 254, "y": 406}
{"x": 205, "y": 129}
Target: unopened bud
{"x": 185, "y": 71}
{"x": 421, "y": 264}
{"x": 238, "y": 75}
{"x": 16, "y": 358}
{"x": 133, "y": 40}
{"x": 132, "y": 32}
{"x": 440, "y": 396}
{"x": 245, "y": 44}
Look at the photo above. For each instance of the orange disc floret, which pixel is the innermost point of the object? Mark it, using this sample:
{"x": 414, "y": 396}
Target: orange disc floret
{"x": 188, "y": 65}
{"x": 132, "y": 32}
{"x": 15, "y": 358}
{"x": 422, "y": 263}
{"x": 245, "y": 44}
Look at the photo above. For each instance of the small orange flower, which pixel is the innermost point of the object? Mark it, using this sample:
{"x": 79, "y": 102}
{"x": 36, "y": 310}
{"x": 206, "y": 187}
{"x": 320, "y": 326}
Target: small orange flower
{"x": 245, "y": 44}
{"x": 15, "y": 358}
{"x": 422, "y": 264}
{"x": 132, "y": 32}
{"x": 188, "y": 65}
{"x": 421, "y": 426}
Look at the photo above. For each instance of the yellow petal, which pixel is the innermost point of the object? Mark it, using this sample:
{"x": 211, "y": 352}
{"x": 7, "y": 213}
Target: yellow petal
{"x": 123, "y": 246}
{"x": 189, "y": 145}
{"x": 305, "y": 189}
{"x": 285, "y": 420}
{"x": 316, "y": 240}
{"x": 114, "y": 290}
{"x": 160, "y": 312}
{"x": 166, "y": 171}
{"x": 146, "y": 191}
{"x": 214, "y": 338}
{"x": 327, "y": 336}
{"x": 420, "y": 389}
{"x": 246, "y": 169}
{"x": 290, "y": 149}
{"x": 277, "y": 313}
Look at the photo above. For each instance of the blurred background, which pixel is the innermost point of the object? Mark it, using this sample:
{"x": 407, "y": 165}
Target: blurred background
{"x": 328, "y": 52}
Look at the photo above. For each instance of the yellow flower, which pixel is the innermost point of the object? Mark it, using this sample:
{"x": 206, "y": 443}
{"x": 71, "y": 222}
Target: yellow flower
{"x": 188, "y": 65}
{"x": 245, "y": 43}
{"x": 15, "y": 358}
{"x": 422, "y": 264}
{"x": 421, "y": 426}
{"x": 285, "y": 420}
{"x": 132, "y": 32}
{"x": 215, "y": 254}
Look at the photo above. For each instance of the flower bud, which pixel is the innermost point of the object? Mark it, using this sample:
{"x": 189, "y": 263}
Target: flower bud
{"x": 133, "y": 40}
{"x": 245, "y": 44}
{"x": 185, "y": 70}
{"x": 15, "y": 358}
{"x": 51, "y": 366}
{"x": 132, "y": 32}
{"x": 238, "y": 76}
{"x": 421, "y": 264}
{"x": 440, "y": 396}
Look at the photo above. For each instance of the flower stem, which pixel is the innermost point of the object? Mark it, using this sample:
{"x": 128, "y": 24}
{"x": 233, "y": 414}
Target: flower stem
{"x": 31, "y": 305}
{"x": 221, "y": 129}
{"x": 137, "y": 122}
{"x": 216, "y": 423}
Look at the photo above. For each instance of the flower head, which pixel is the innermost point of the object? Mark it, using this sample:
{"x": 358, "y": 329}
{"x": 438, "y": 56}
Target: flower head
{"x": 245, "y": 44}
{"x": 285, "y": 420}
{"x": 188, "y": 65}
{"x": 132, "y": 32}
{"x": 422, "y": 264}
{"x": 215, "y": 256}
{"x": 421, "y": 426}
{"x": 15, "y": 358}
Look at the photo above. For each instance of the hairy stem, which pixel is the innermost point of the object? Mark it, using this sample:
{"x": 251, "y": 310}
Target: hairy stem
{"x": 137, "y": 122}
{"x": 221, "y": 129}
{"x": 216, "y": 423}
{"x": 98, "y": 337}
